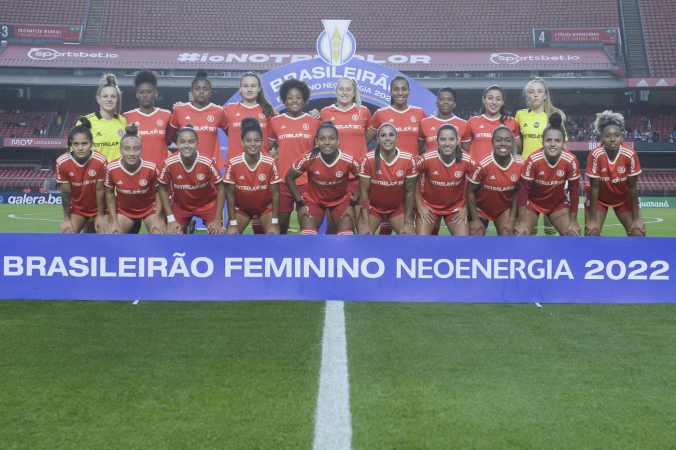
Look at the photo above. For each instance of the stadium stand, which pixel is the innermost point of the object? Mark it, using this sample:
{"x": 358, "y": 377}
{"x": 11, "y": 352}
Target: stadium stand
{"x": 457, "y": 24}
{"x": 54, "y": 12}
{"x": 659, "y": 23}
{"x": 71, "y": 120}
{"x": 22, "y": 176}
{"x": 24, "y": 124}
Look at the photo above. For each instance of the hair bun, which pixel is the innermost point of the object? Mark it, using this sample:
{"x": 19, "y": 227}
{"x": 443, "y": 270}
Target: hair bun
{"x": 111, "y": 80}
{"x": 188, "y": 125}
{"x": 555, "y": 119}
{"x": 131, "y": 129}
{"x": 85, "y": 122}
{"x": 201, "y": 73}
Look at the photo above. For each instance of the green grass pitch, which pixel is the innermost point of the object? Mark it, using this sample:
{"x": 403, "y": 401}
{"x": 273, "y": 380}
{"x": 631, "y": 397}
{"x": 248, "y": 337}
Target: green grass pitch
{"x": 244, "y": 375}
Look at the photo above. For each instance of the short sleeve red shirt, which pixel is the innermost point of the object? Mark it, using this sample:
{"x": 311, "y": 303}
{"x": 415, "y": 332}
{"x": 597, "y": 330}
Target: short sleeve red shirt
{"x": 351, "y": 128}
{"x": 496, "y": 192}
{"x": 443, "y": 189}
{"x": 252, "y": 186}
{"x": 407, "y": 124}
{"x": 82, "y": 179}
{"x": 480, "y": 131}
{"x": 135, "y": 190}
{"x": 327, "y": 183}
{"x": 430, "y": 126}
{"x": 295, "y": 137}
{"x": 388, "y": 185}
{"x": 548, "y": 189}
{"x": 152, "y": 129}
{"x": 613, "y": 190}
{"x": 235, "y": 112}
{"x": 206, "y": 122}
{"x": 193, "y": 189}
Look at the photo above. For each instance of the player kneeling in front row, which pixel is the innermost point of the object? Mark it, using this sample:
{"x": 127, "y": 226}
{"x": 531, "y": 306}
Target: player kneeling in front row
{"x": 387, "y": 185}
{"x": 328, "y": 170}
{"x": 252, "y": 183}
{"x": 441, "y": 191}
{"x": 198, "y": 187}
{"x": 542, "y": 186}
{"x": 613, "y": 172}
{"x": 81, "y": 172}
{"x": 136, "y": 183}
{"x": 492, "y": 187}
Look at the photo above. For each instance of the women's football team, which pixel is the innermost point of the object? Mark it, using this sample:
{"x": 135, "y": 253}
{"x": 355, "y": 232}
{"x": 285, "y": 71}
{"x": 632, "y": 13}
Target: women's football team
{"x": 491, "y": 168}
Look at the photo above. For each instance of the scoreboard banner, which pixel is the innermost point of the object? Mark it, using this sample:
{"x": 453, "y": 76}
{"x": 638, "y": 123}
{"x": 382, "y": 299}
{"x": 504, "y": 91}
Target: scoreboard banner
{"x": 355, "y": 268}
{"x": 544, "y": 37}
{"x": 64, "y": 33}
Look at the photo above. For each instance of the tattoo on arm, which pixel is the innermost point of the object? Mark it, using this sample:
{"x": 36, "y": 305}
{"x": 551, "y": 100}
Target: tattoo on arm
{"x": 110, "y": 199}
{"x": 65, "y": 201}
{"x": 410, "y": 192}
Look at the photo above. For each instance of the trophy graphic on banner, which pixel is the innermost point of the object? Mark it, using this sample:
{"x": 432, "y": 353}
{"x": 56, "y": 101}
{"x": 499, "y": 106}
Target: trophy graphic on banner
{"x": 336, "y": 34}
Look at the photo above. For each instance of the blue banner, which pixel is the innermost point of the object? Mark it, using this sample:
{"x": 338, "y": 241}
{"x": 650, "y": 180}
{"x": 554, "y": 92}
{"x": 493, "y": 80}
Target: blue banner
{"x": 354, "y": 268}
{"x": 19, "y": 198}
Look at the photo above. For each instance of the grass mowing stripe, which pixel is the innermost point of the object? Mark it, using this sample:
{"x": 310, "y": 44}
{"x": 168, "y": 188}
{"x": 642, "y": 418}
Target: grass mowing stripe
{"x": 333, "y": 428}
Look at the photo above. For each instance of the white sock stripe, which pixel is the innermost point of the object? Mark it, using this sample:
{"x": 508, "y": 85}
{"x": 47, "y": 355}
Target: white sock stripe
{"x": 333, "y": 421}
{"x": 345, "y": 233}
{"x": 385, "y": 225}
{"x": 309, "y": 232}
{"x": 255, "y": 222}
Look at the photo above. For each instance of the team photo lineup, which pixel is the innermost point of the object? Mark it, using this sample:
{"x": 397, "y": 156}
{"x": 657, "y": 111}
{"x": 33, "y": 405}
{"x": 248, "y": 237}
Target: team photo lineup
{"x": 122, "y": 169}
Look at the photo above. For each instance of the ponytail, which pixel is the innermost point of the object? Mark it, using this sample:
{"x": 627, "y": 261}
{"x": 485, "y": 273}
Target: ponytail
{"x": 251, "y": 124}
{"x": 555, "y": 124}
{"x": 131, "y": 131}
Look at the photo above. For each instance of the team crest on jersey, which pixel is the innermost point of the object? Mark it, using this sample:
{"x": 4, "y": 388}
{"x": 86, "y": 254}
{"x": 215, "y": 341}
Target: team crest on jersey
{"x": 413, "y": 119}
{"x": 120, "y": 133}
{"x": 536, "y": 124}
{"x": 261, "y": 116}
{"x": 160, "y": 122}
{"x": 355, "y": 116}
{"x": 261, "y": 177}
{"x": 200, "y": 176}
{"x": 400, "y": 173}
{"x": 210, "y": 118}
{"x": 339, "y": 173}
{"x": 306, "y": 126}
{"x": 621, "y": 169}
{"x": 458, "y": 174}
{"x": 514, "y": 177}
{"x": 92, "y": 173}
{"x": 143, "y": 182}
{"x": 559, "y": 173}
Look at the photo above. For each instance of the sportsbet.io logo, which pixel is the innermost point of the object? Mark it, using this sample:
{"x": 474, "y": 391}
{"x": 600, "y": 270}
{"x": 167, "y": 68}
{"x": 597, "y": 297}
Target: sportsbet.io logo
{"x": 336, "y": 45}
{"x": 47, "y": 54}
{"x": 513, "y": 58}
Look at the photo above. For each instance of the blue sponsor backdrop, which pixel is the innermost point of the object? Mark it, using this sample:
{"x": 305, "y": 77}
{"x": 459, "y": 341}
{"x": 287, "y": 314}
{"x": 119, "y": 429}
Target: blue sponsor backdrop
{"x": 356, "y": 268}
{"x": 19, "y": 198}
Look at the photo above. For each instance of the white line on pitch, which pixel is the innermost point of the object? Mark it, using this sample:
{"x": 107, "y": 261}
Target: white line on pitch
{"x": 333, "y": 422}
{"x": 12, "y": 216}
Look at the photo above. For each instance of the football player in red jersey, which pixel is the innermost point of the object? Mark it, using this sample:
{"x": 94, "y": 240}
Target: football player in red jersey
{"x": 81, "y": 172}
{"x": 479, "y": 131}
{"x": 542, "y": 186}
{"x": 387, "y": 185}
{"x": 152, "y": 122}
{"x": 430, "y": 125}
{"x": 135, "y": 181}
{"x": 443, "y": 193}
{"x": 206, "y": 118}
{"x": 328, "y": 169}
{"x": 252, "y": 184}
{"x": 613, "y": 171}
{"x": 198, "y": 187}
{"x": 291, "y": 136}
{"x": 492, "y": 187}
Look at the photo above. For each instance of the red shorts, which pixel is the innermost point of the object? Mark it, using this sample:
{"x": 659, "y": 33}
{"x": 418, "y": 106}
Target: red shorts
{"x": 150, "y": 210}
{"x": 183, "y": 217}
{"x": 379, "y": 213}
{"x": 75, "y": 211}
{"x": 438, "y": 217}
{"x": 317, "y": 210}
{"x": 251, "y": 214}
{"x": 286, "y": 201}
{"x": 488, "y": 216}
{"x": 537, "y": 210}
{"x": 624, "y": 207}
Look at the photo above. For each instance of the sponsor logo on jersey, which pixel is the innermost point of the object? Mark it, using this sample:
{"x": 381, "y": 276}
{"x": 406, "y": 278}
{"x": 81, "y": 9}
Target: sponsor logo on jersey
{"x": 336, "y": 45}
{"x": 306, "y": 126}
{"x": 261, "y": 177}
{"x": 542, "y": 173}
{"x": 72, "y": 174}
{"x": 119, "y": 182}
{"x": 525, "y": 125}
{"x": 391, "y": 120}
{"x": 98, "y": 134}
{"x": 332, "y": 118}
{"x": 355, "y": 116}
{"x": 536, "y": 124}
{"x": 187, "y": 117}
{"x": 493, "y": 177}
{"x": 180, "y": 177}
{"x": 400, "y": 173}
{"x": 210, "y": 118}
{"x": 241, "y": 177}
{"x": 92, "y": 173}
{"x": 435, "y": 173}
{"x": 143, "y": 182}
{"x": 514, "y": 177}
{"x": 481, "y": 126}
{"x": 458, "y": 174}
{"x": 317, "y": 172}
{"x": 433, "y": 129}
{"x": 283, "y": 127}
{"x": 604, "y": 170}
{"x": 200, "y": 176}
{"x": 559, "y": 173}
{"x": 237, "y": 115}
{"x": 621, "y": 169}
{"x": 160, "y": 122}
{"x": 339, "y": 173}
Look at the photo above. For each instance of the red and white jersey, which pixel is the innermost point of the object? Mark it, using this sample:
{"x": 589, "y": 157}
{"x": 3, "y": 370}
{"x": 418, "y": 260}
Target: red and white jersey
{"x": 206, "y": 122}
{"x": 388, "y": 185}
{"x": 612, "y": 175}
{"x": 295, "y": 137}
{"x": 235, "y": 112}
{"x": 480, "y": 131}
{"x": 351, "y": 128}
{"x": 497, "y": 184}
{"x": 193, "y": 188}
{"x": 444, "y": 186}
{"x": 252, "y": 186}
{"x": 327, "y": 183}
{"x": 429, "y": 127}
{"x": 548, "y": 189}
{"x": 135, "y": 190}
{"x": 82, "y": 179}
{"x": 152, "y": 129}
{"x": 406, "y": 122}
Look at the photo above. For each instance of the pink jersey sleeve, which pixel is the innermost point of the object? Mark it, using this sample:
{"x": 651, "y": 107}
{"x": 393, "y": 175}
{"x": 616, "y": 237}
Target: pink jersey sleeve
{"x": 592, "y": 165}
{"x": 174, "y": 120}
{"x": 224, "y": 121}
{"x": 367, "y": 116}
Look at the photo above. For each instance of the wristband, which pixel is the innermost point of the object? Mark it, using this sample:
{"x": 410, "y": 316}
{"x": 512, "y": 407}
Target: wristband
{"x": 171, "y": 218}
{"x": 275, "y": 221}
{"x": 300, "y": 204}
{"x": 233, "y": 223}
{"x": 353, "y": 203}
{"x": 364, "y": 204}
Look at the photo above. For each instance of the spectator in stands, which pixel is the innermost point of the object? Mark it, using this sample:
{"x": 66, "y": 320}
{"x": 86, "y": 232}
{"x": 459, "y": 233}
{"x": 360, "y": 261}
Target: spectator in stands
{"x": 26, "y": 190}
{"x": 612, "y": 185}
{"x": 107, "y": 123}
{"x": 44, "y": 190}
{"x": 59, "y": 123}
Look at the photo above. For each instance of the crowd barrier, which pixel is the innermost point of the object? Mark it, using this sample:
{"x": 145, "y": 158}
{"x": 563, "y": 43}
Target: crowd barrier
{"x": 349, "y": 268}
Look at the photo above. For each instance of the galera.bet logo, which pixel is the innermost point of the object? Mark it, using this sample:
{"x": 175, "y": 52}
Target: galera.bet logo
{"x": 336, "y": 45}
